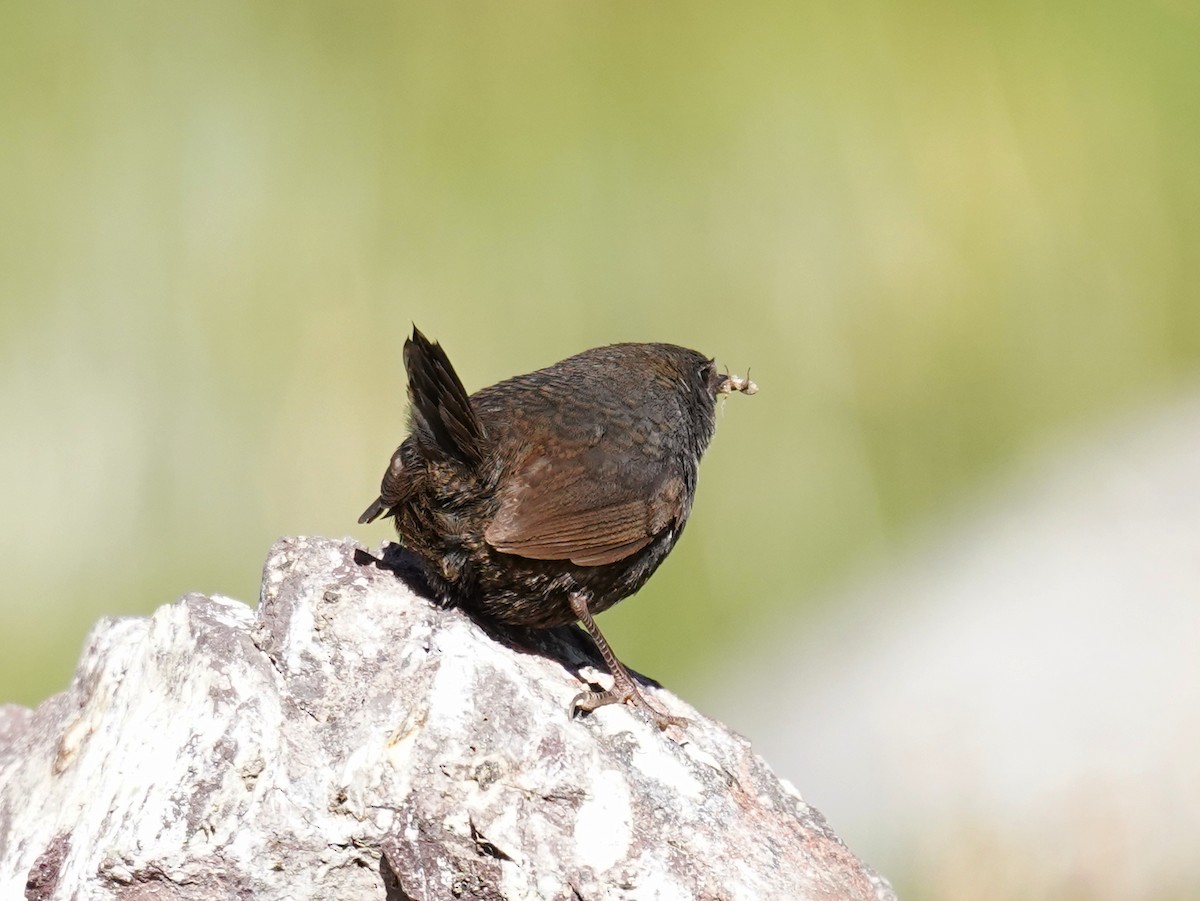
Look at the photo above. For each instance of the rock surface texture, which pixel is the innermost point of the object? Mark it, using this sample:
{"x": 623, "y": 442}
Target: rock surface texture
{"x": 350, "y": 740}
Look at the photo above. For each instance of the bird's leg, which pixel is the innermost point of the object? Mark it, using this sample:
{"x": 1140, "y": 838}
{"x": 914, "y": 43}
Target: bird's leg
{"x": 624, "y": 690}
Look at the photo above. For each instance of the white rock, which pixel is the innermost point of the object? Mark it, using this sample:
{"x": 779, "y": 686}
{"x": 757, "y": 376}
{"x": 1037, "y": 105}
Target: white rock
{"x": 352, "y": 740}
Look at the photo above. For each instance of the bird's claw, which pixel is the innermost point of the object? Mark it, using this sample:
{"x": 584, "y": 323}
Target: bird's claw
{"x": 587, "y": 701}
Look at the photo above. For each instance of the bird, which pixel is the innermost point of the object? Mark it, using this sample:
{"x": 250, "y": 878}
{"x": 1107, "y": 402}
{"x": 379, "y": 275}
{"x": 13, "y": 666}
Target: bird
{"x": 545, "y": 499}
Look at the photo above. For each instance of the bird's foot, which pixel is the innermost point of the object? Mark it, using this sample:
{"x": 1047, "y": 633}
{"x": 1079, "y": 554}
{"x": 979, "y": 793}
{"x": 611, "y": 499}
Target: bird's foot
{"x": 588, "y": 701}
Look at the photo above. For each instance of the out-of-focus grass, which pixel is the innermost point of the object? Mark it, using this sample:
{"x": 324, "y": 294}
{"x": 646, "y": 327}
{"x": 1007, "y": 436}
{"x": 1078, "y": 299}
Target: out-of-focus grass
{"x": 939, "y": 233}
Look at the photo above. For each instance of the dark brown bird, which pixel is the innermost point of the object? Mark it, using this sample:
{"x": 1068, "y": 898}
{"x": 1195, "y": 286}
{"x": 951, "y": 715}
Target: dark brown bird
{"x": 547, "y": 498}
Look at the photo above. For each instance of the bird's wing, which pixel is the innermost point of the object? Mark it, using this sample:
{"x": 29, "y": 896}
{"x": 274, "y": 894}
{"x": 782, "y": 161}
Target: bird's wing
{"x": 584, "y": 510}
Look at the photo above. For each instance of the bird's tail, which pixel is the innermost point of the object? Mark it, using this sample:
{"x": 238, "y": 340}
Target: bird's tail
{"x": 442, "y": 415}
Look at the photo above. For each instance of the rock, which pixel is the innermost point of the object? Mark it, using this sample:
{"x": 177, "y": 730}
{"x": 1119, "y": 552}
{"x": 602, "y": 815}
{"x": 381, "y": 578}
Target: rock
{"x": 351, "y": 740}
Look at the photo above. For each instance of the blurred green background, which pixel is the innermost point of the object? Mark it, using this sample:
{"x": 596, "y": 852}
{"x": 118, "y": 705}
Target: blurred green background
{"x": 941, "y": 235}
